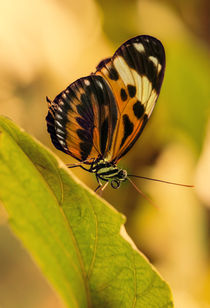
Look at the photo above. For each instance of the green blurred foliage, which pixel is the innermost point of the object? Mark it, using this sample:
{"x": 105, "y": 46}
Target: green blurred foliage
{"x": 119, "y": 23}
{"x": 186, "y": 90}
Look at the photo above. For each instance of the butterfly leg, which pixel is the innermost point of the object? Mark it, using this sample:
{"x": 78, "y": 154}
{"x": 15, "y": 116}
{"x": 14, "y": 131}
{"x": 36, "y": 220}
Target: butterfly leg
{"x": 100, "y": 188}
{"x": 72, "y": 165}
{"x": 99, "y": 184}
{"x": 79, "y": 165}
{"x": 104, "y": 186}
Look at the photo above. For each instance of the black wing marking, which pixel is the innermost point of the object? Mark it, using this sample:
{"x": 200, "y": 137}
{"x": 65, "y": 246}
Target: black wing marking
{"x": 82, "y": 118}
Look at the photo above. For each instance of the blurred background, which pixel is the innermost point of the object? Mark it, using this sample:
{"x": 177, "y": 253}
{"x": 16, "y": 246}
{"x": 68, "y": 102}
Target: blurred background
{"x": 46, "y": 45}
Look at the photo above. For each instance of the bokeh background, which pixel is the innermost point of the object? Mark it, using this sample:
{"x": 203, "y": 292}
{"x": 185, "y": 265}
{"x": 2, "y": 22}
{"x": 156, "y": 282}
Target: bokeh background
{"x": 46, "y": 45}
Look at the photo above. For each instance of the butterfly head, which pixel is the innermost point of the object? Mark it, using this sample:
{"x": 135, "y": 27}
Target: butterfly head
{"x": 121, "y": 176}
{"x": 109, "y": 172}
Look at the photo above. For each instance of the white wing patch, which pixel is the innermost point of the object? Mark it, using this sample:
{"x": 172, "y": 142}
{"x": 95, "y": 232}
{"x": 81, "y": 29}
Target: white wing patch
{"x": 123, "y": 70}
{"x": 58, "y": 123}
{"x": 138, "y": 83}
{"x": 146, "y": 90}
{"x": 151, "y": 102}
{"x": 156, "y": 63}
{"x": 139, "y": 47}
{"x": 64, "y": 97}
{"x": 99, "y": 84}
{"x": 154, "y": 60}
{"x": 87, "y": 82}
{"x": 159, "y": 67}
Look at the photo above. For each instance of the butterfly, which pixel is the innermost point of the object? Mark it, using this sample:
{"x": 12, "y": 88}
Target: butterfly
{"x": 98, "y": 118}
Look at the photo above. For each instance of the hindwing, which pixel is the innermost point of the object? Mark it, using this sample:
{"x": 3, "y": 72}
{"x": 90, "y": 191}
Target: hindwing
{"x": 82, "y": 118}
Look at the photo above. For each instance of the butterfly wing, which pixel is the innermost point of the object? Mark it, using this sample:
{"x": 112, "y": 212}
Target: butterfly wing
{"x": 82, "y": 118}
{"x": 102, "y": 115}
{"x": 135, "y": 75}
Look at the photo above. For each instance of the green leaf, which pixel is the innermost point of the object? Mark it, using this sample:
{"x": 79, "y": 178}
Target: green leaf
{"x": 76, "y": 238}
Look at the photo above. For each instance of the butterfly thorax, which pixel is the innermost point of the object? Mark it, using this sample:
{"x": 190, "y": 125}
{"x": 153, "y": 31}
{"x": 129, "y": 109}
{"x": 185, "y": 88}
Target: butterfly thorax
{"x": 108, "y": 171}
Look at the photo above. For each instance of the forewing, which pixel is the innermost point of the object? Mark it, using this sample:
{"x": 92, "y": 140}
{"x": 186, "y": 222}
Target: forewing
{"x": 135, "y": 75}
{"x": 82, "y": 118}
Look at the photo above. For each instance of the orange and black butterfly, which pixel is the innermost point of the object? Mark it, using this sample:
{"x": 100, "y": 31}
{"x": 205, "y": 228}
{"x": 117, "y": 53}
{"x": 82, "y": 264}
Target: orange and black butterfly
{"x": 98, "y": 118}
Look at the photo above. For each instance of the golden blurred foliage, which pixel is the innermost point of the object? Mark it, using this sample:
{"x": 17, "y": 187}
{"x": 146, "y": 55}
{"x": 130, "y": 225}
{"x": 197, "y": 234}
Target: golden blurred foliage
{"x": 46, "y": 45}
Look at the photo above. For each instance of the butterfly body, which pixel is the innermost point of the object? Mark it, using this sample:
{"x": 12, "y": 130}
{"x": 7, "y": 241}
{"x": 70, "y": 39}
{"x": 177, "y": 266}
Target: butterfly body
{"x": 98, "y": 118}
{"x": 108, "y": 172}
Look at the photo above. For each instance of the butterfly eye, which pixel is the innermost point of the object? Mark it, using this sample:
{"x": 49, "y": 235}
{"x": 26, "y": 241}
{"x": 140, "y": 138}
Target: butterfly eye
{"x": 115, "y": 184}
{"x": 122, "y": 174}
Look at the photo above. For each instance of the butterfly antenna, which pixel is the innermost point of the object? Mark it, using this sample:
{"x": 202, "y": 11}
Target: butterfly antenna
{"x": 141, "y": 193}
{"x": 162, "y": 181}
